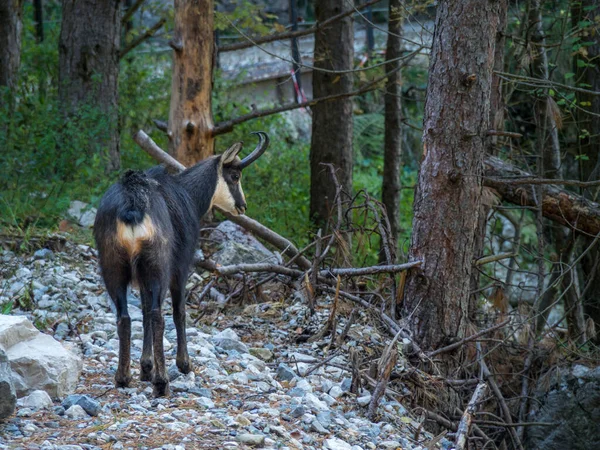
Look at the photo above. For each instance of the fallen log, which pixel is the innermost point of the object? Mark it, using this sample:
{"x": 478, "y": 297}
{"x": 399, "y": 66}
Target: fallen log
{"x": 565, "y": 207}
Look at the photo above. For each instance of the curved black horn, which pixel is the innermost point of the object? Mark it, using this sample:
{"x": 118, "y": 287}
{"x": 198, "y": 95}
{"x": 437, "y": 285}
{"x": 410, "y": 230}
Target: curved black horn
{"x": 259, "y": 150}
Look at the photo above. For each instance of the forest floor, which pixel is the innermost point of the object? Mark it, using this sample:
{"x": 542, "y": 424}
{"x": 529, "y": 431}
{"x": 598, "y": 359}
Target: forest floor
{"x": 254, "y": 384}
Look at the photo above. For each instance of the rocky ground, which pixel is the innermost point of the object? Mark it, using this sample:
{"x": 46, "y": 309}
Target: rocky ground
{"x": 252, "y": 384}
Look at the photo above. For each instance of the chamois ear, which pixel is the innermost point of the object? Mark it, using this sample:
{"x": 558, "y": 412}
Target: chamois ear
{"x": 230, "y": 154}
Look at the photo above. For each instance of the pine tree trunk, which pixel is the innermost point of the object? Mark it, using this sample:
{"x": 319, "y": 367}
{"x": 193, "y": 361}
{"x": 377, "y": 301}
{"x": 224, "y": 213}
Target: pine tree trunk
{"x": 89, "y": 64}
{"x": 392, "y": 157}
{"x": 11, "y": 26}
{"x": 190, "y": 117}
{"x": 448, "y": 195}
{"x": 332, "y": 121}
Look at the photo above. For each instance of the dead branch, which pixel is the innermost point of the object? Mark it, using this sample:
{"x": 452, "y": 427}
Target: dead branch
{"x": 330, "y": 324}
{"x": 261, "y": 267}
{"x": 355, "y": 272}
{"x": 386, "y": 365}
{"x": 504, "y": 133}
{"x": 487, "y": 375}
{"x": 493, "y": 258}
{"x": 293, "y": 34}
{"x": 162, "y": 126}
{"x": 148, "y": 34}
{"x": 150, "y": 147}
{"x": 468, "y": 339}
{"x": 346, "y": 330}
{"x": 227, "y": 126}
{"x": 559, "y": 205}
{"x": 131, "y": 11}
{"x": 464, "y": 426}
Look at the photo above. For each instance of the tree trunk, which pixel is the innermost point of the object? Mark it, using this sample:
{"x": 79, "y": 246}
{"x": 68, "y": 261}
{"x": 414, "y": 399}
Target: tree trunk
{"x": 11, "y": 25}
{"x": 448, "y": 194}
{"x": 392, "y": 158}
{"x": 88, "y": 70}
{"x": 190, "y": 117}
{"x": 332, "y": 121}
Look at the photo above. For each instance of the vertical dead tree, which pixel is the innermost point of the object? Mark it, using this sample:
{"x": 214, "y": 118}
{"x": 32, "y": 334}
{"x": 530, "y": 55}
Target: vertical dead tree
{"x": 88, "y": 69}
{"x": 11, "y": 26}
{"x": 436, "y": 297}
{"x": 547, "y": 124}
{"x": 392, "y": 157}
{"x": 190, "y": 117}
{"x": 587, "y": 72}
{"x": 332, "y": 121}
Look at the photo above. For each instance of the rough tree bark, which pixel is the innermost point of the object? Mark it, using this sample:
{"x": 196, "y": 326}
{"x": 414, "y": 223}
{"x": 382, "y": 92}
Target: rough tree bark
{"x": 88, "y": 69}
{"x": 392, "y": 157}
{"x": 11, "y": 26}
{"x": 190, "y": 117}
{"x": 448, "y": 194}
{"x": 332, "y": 121}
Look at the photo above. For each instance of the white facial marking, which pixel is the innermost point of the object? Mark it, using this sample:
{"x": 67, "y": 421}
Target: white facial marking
{"x": 222, "y": 198}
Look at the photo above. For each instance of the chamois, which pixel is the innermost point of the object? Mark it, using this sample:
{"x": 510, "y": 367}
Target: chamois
{"x": 146, "y": 230}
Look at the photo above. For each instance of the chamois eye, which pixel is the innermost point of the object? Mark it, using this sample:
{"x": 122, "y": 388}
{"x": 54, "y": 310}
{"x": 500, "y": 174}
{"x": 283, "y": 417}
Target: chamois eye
{"x": 235, "y": 177}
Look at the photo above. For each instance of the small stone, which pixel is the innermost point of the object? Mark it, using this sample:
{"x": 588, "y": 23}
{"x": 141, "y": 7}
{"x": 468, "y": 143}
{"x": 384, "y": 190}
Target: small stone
{"x": 390, "y": 445}
{"x": 76, "y": 412}
{"x": 43, "y": 253}
{"x": 336, "y": 391}
{"x": 299, "y": 411}
{"x": 324, "y": 417}
{"x": 89, "y": 405}
{"x": 251, "y": 439}
{"x": 243, "y": 420}
{"x": 346, "y": 384}
{"x": 284, "y": 373}
{"x": 36, "y": 400}
{"x": 205, "y": 402}
{"x": 262, "y": 353}
{"x": 364, "y": 400}
{"x": 337, "y": 444}
{"x": 313, "y": 402}
{"x": 173, "y": 372}
{"x": 317, "y": 426}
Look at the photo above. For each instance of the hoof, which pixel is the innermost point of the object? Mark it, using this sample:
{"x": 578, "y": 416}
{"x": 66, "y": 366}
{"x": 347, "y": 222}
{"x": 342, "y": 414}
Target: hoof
{"x": 146, "y": 371}
{"x": 161, "y": 389}
{"x": 122, "y": 381}
{"x": 184, "y": 366}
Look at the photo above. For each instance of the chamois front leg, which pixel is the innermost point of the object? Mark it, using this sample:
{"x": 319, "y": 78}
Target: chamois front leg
{"x": 178, "y": 297}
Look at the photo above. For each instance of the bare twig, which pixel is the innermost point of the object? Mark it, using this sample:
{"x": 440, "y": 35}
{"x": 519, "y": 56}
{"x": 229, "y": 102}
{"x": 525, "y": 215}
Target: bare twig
{"x": 132, "y": 10}
{"x": 493, "y": 258}
{"x": 468, "y": 339}
{"x": 293, "y": 34}
{"x": 149, "y": 33}
{"x": 464, "y": 426}
{"x": 330, "y": 324}
{"x": 504, "y": 133}
{"x": 354, "y": 272}
{"x": 386, "y": 365}
{"x": 261, "y": 267}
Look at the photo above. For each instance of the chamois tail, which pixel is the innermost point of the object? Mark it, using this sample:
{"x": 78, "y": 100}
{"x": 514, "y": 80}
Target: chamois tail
{"x": 137, "y": 187}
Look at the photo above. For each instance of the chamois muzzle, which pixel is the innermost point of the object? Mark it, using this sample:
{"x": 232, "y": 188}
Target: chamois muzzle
{"x": 258, "y": 151}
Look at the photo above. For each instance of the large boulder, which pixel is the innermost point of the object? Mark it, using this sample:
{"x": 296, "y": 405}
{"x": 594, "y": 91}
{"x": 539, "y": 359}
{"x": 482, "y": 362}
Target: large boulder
{"x": 37, "y": 360}
{"x": 238, "y": 246}
{"x": 571, "y": 399}
{"x": 8, "y": 395}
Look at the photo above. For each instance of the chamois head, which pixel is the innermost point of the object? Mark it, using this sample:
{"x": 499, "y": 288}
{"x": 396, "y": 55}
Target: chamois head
{"x": 229, "y": 195}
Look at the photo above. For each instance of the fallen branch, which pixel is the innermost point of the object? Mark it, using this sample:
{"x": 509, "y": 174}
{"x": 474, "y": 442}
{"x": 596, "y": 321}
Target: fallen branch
{"x": 261, "y": 267}
{"x": 293, "y": 34}
{"x": 149, "y": 33}
{"x": 150, "y": 147}
{"x": 467, "y": 339}
{"x": 559, "y": 205}
{"x": 131, "y": 11}
{"x": 386, "y": 365}
{"x": 464, "y": 426}
{"x": 493, "y": 258}
{"x": 354, "y": 272}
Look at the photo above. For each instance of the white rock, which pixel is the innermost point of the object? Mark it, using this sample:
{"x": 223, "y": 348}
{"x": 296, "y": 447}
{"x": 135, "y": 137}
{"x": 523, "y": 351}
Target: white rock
{"x": 313, "y": 402}
{"x": 36, "y": 400}
{"x": 364, "y": 400}
{"x": 337, "y": 444}
{"x": 227, "y": 333}
{"x": 76, "y": 412}
{"x": 37, "y": 360}
{"x": 82, "y": 213}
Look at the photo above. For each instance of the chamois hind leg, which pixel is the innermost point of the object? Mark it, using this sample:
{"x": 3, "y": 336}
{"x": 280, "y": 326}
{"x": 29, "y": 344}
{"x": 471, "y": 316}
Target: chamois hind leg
{"x": 146, "y": 363}
{"x": 178, "y": 298}
{"x": 153, "y": 292}
{"x": 117, "y": 279}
